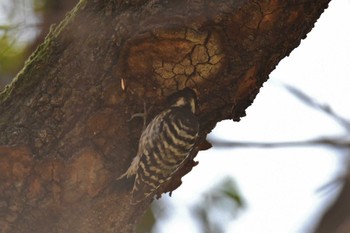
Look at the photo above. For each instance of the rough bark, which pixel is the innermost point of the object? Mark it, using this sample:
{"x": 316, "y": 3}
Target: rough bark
{"x": 64, "y": 120}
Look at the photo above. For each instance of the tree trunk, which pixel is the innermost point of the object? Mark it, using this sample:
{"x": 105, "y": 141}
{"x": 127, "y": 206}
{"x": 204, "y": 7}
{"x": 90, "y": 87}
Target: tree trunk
{"x": 64, "y": 120}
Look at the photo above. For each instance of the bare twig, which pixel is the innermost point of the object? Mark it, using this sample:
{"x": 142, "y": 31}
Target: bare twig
{"x": 333, "y": 142}
{"x": 322, "y": 107}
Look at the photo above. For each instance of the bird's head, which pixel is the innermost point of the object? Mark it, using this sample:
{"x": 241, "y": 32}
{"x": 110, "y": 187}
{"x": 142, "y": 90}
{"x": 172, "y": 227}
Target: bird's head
{"x": 184, "y": 98}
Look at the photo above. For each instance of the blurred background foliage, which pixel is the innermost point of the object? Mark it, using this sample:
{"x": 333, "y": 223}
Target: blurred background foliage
{"x": 11, "y": 57}
{"x": 23, "y": 26}
{"x": 210, "y": 214}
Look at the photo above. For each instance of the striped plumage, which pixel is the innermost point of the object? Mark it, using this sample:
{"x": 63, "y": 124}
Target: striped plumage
{"x": 165, "y": 143}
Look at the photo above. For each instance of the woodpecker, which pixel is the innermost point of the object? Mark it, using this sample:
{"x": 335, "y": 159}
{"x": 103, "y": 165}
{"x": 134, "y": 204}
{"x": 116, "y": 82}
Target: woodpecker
{"x": 164, "y": 144}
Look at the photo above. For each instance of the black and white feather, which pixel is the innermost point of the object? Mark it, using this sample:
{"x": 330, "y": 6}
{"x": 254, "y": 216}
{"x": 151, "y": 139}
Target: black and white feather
{"x": 164, "y": 144}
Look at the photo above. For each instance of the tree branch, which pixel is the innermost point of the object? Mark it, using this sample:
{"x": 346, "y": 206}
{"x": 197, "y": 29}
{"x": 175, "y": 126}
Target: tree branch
{"x": 67, "y": 109}
{"x": 332, "y": 142}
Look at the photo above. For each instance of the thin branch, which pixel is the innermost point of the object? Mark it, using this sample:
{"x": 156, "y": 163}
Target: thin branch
{"x": 332, "y": 142}
{"x": 322, "y": 107}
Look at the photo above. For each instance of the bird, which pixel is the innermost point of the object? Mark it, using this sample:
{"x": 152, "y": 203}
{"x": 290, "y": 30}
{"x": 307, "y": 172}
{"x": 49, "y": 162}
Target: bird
{"x": 164, "y": 144}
